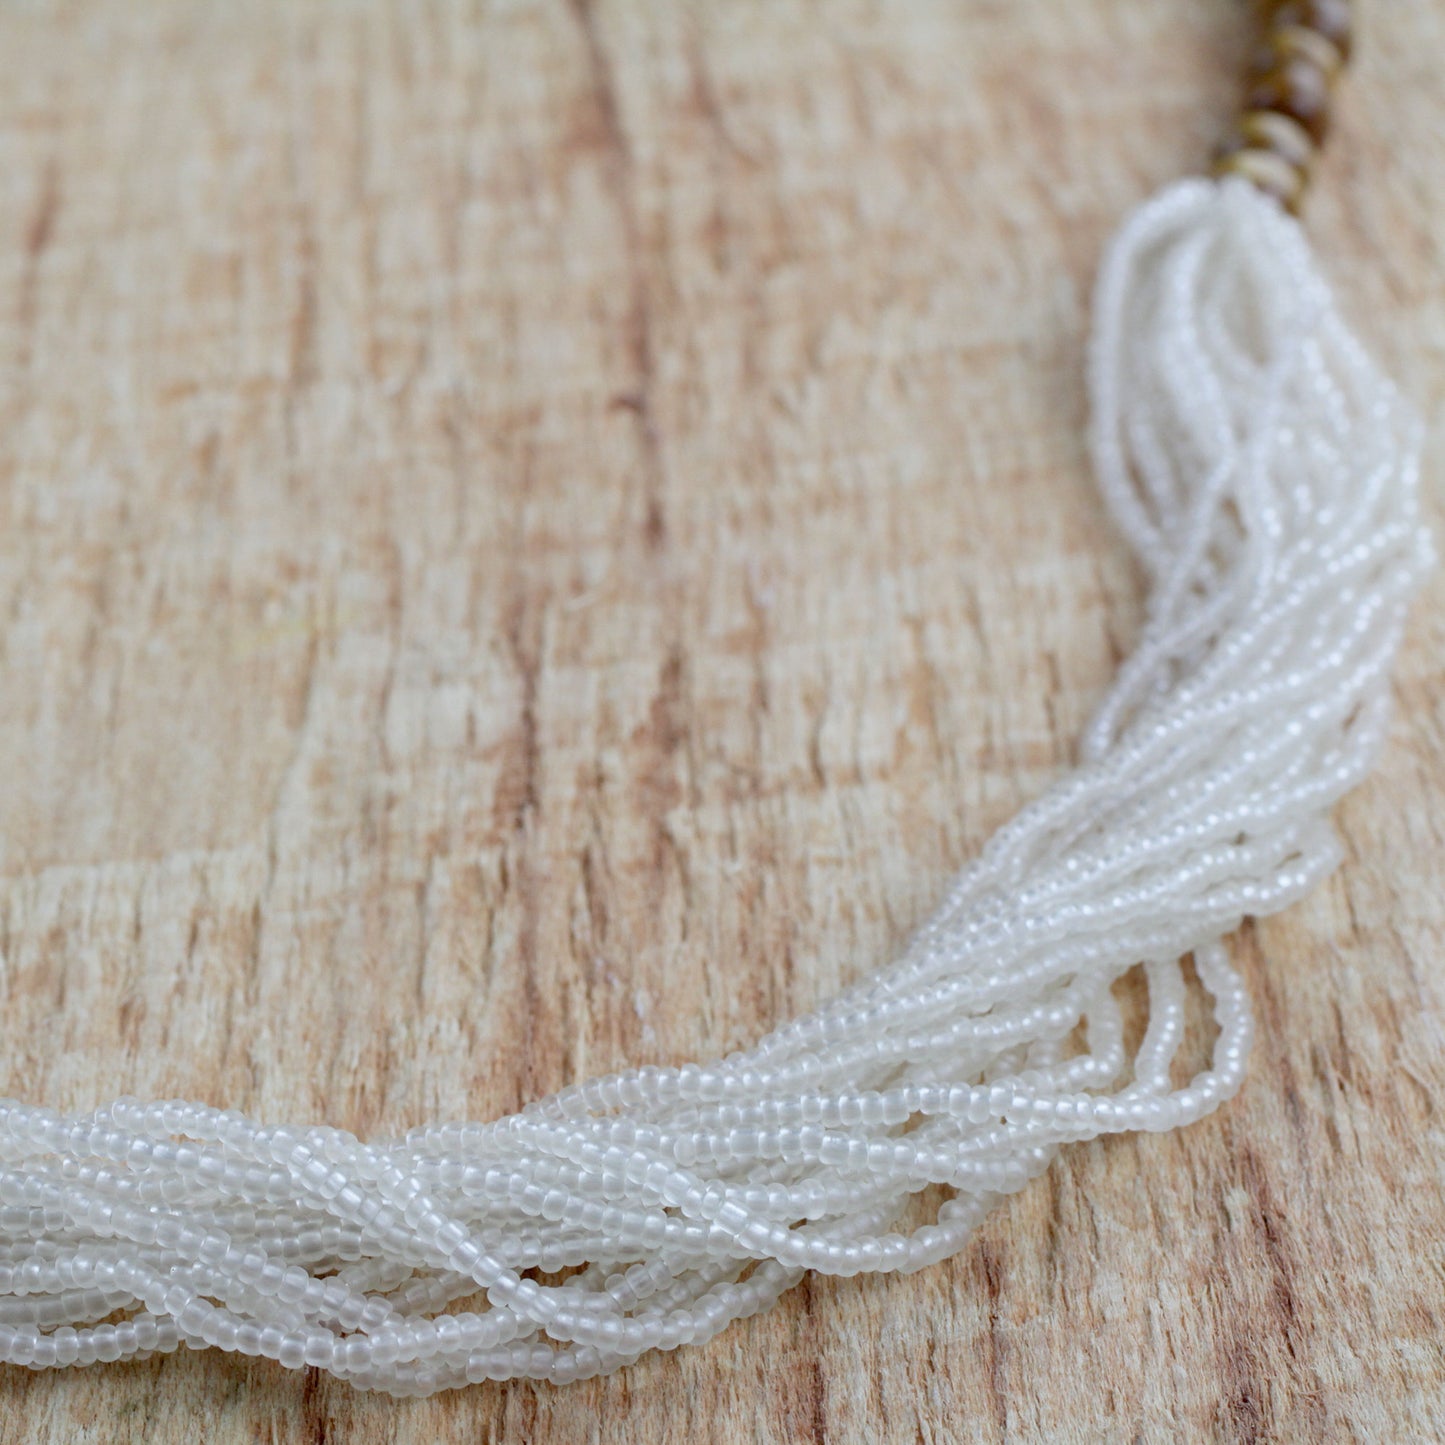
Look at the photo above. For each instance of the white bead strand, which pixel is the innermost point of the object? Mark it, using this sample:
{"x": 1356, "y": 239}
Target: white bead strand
{"x": 1265, "y": 473}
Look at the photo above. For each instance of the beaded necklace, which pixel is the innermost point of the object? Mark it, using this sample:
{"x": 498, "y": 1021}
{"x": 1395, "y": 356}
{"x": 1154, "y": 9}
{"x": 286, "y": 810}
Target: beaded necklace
{"x": 1264, "y": 472}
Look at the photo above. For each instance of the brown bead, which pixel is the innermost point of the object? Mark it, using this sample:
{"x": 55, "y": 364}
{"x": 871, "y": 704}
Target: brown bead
{"x": 1295, "y": 42}
{"x": 1267, "y": 172}
{"x": 1331, "y": 19}
{"x": 1297, "y": 88}
{"x": 1268, "y": 130}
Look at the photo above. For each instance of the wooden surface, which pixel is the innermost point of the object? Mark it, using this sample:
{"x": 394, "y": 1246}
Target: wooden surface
{"x": 537, "y": 536}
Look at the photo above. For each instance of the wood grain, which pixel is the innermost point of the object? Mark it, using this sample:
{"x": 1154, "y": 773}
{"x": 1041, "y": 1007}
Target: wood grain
{"x": 538, "y": 535}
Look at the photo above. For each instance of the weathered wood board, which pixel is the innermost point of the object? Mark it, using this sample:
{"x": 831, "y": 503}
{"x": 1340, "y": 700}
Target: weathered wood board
{"x": 538, "y": 535}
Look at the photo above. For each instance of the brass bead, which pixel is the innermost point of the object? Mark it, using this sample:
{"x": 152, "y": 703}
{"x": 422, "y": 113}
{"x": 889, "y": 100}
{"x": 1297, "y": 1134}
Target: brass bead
{"x": 1268, "y": 172}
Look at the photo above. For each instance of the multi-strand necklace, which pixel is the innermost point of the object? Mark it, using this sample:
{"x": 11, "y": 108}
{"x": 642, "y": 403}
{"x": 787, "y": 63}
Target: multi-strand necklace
{"x": 1264, "y": 472}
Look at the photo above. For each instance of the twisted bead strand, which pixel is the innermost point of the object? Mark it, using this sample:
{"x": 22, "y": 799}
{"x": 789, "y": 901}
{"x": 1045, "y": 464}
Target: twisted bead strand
{"x": 1265, "y": 473}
